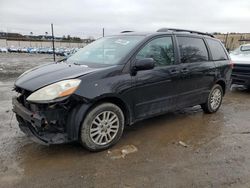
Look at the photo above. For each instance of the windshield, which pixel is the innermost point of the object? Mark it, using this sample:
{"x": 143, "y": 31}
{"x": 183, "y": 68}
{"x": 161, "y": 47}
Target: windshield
{"x": 244, "y": 50}
{"x": 107, "y": 50}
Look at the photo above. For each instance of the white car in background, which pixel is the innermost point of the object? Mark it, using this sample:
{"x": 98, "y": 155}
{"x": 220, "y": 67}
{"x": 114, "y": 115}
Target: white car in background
{"x": 3, "y": 50}
{"x": 24, "y": 50}
{"x": 241, "y": 61}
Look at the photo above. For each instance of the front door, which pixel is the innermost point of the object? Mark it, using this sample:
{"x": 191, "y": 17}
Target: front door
{"x": 156, "y": 89}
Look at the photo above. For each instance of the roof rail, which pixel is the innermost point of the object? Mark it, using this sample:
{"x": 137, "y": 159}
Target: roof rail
{"x": 183, "y": 30}
{"x": 126, "y": 31}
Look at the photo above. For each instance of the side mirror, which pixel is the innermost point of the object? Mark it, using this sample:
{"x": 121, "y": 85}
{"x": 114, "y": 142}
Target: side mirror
{"x": 144, "y": 64}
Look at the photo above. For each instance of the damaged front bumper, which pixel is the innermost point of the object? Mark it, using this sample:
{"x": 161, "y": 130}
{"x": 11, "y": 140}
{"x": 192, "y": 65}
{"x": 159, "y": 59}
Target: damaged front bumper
{"x": 38, "y": 126}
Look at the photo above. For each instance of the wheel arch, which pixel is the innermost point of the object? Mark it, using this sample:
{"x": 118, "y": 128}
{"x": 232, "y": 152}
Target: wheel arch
{"x": 117, "y": 101}
{"x": 78, "y": 114}
{"x": 222, "y": 83}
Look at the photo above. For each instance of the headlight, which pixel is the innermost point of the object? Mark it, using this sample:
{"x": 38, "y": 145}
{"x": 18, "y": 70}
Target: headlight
{"x": 54, "y": 91}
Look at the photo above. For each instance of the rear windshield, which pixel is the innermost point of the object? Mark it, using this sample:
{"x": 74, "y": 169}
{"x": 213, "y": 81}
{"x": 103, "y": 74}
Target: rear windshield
{"x": 242, "y": 50}
{"x": 107, "y": 50}
{"x": 217, "y": 50}
{"x": 245, "y": 48}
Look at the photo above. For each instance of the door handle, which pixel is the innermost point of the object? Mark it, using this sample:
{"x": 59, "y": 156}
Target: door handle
{"x": 174, "y": 71}
{"x": 185, "y": 70}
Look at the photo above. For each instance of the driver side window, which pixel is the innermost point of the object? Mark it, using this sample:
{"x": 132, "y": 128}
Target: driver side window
{"x": 160, "y": 49}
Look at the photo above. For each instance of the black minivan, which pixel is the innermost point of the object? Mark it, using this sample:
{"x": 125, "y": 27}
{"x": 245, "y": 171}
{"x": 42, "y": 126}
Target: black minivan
{"x": 119, "y": 80}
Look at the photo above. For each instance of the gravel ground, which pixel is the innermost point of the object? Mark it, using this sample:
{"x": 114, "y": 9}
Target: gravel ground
{"x": 186, "y": 148}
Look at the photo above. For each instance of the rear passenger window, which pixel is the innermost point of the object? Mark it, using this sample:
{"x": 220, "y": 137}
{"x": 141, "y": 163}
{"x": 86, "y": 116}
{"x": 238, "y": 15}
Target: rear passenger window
{"x": 160, "y": 49}
{"x": 192, "y": 50}
{"x": 218, "y": 53}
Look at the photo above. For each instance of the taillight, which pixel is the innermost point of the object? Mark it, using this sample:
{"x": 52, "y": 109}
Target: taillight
{"x": 231, "y": 64}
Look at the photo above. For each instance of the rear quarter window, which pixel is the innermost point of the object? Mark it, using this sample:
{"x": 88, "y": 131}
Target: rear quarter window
{"x": 217, "y": 50}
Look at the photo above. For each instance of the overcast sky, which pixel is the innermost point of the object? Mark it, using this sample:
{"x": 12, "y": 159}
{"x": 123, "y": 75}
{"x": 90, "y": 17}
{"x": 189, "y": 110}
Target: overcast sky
{"x": 87, "y": 17}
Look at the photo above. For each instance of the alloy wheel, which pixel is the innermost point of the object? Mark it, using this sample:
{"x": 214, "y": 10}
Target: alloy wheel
{"x": 215, "y": 99}
{"x": 104, "y": 127}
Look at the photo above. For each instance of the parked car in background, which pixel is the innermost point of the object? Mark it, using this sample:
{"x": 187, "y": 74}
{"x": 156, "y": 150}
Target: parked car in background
{"x": 59, "y": 51}
{"x": 63, "y": 51}
{"x": 13, "y": 49}
{"x": 33, "y": 50}
{"x": 24, "y": 50}
{"x": 241, "y": 70}
{"x": 119, "y": 80}
{"x": 3, "y": 50}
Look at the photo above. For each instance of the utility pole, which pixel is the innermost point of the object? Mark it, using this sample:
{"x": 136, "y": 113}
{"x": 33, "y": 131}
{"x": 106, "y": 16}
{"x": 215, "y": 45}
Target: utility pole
{"x": 102, "y": 32}
{"x": 53, "y": 42}
{"x": 226, "y": 40}
{"x": 31, "y": 34}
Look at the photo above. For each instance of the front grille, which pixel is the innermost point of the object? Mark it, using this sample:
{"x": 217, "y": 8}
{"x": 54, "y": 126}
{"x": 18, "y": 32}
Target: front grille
{"x": 241, "y": 69}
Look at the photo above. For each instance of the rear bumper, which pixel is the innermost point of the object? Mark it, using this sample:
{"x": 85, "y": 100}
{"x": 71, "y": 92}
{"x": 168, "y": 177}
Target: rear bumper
{"x": 35, "y": 126}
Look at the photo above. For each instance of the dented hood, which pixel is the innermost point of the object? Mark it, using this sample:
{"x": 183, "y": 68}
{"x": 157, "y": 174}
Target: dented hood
{"x": 50, "y": 73}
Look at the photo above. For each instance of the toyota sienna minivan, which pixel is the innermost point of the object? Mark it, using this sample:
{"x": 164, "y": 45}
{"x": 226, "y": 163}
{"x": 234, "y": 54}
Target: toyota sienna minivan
{"x": 118, "y": 80}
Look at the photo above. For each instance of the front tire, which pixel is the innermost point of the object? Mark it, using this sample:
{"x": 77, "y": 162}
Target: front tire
{"x": 214, "y": 100}
{"x": 102, "y": 127}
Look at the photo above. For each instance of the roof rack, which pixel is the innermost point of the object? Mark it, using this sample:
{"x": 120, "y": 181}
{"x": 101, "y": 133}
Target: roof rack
{"x": 126, "y": 31}
{"x": 183, "y": 30}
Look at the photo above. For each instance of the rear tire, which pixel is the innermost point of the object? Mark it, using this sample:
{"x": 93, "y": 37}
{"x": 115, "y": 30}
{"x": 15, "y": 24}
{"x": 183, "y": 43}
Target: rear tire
{"x": 102, "y": 127}
{"x": 214, "y": 100}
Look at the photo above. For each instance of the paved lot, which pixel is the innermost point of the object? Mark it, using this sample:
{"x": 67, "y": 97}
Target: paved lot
{"x": 217, "y": 152}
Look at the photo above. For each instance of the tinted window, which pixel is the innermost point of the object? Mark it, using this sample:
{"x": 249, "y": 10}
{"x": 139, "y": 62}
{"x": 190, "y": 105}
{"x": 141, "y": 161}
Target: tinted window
{"x": 216, "y": 49}
{"x": 192, "y": 50}
{"x": 160, "y": 49}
